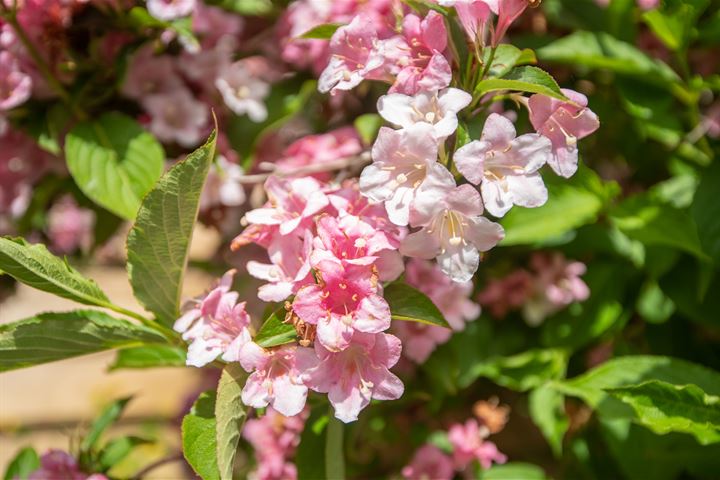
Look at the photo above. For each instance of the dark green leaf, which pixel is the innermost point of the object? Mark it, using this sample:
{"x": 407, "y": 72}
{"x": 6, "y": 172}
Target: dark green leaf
{"x": 705, "y": 211}
{"x": 199, "y": 441}
{"x": 322, "y": 32}
{"x": 48, "y": 337}
{"x": 312, "y": 442}
{"x": 159, "y": 242}
{"x": 411, "y": 305}
{"x": 25, "y": 462}
{"x": 114, "y": 161}
{"x": 109, "y": 415}
{"x": 274, "y": 331}
{"x": 230, "y": 417}
{"x": 522, "y": 79}
{"x": 150, "y": 356}
{"x": 117, "y": 449}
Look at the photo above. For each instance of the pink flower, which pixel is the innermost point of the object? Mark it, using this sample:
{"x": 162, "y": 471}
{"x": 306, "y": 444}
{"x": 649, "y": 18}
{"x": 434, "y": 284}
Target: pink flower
{"x": 451, "y": 298}
{"x": 15, "y": 85}
{"x": 505, "y": 166}
{"x": 354, "y": 376}
{"x": 417, "y": 59}
{"x": 473, "y": 15}
{"x": 429, "y": 463}
{"x": 278, "y": 377}
{"x": 215, "y": 326}
{"x": 222, "y": 187}
{"x": 292, "y": 204}
{"x": 150, "y": 74}
{"x": 564, "y": 123}
{"x": 508, "y": 293}
{"x": 170, "y": 9}
{"x": 69, "y": 226}
{"x": 177, "y": 117}
{"x": 403, "y": 161}
{"x": 354, "y": 56}
{"x": 57, "y": 465}
{"x": 274, "y": 439}
{"x": 508, "y": 11}
{"x": 289, "y": 268}
{"x": 243, "y": 92}
{"x": 453, "y": 230}
{"x": 212, "y": 24}
{"x": 469, "y": 444}
{"x": 344, "y": 303}
{"x": 419, "y": 340}
{"x": 439, "y": 109}
{"x": 21, "y": 164}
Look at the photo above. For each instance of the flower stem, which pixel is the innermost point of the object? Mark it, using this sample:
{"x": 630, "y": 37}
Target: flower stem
{"x": 334, "y": 452}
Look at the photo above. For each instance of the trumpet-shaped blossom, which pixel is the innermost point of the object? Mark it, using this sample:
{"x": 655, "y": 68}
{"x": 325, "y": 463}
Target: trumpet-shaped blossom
{"x": 429, "y": 463}
{"x": 243, "y": 92}
{"x": 278, "y": 377}
{"x": 469, "y": 444}
{"x": 289, "y": 268}
{"x": 354, "y": 56}
{"x": 177, "y": 117}
{"x": 170, "y": 9}
{"x": 215, "y": 326}
{"x": 354, "y": 376}
{"x": 345, "y": 302}
{"x": 324, "y": 148}
{"x": 438, "y": 109}
{"x": 505, "y": 166}
{"x": 274, "y": 439}
{"x": 292, "y": 203}
{"x": 15, "y": 85}
{"x": 454, "y": 231}
{"x": 473, "y": 15}
{"x": 508, "y": 11}
{"x": 403, "y": 161}
{"x": 564, "y": 123}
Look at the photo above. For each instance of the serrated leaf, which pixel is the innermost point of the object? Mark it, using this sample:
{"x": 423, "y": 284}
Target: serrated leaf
{"x": 274, "y": 331}
{"x": 35, "y": 266}
{"x": 663, "y": 407}
{"x": 25, "y": 462}
{"x": 109, "y": 415}
{"x": 411, "y": 305}
{"x": 114, "y": 161}
{"x": 522, "y": 79}
{"x": 48, "y": 337}
{"x": 159, "y": 242}
{"x": 199, "y": 441}
{"x": 117, "y": 449}
{"x": 547, "y": 410}
{"x": 150, "y": 356}
{"x": 230, "y": 417}
{"x": 322, "y": 32}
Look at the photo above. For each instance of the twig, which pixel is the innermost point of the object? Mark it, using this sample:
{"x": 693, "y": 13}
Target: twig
{"x": 304, "y": 170}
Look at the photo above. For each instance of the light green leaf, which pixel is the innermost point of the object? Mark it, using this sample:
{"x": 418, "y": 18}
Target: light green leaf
{"x": 508, "y": 56}
{"x": 322, "y": 32}
{"x": 48, "y": 337}
{"x": 523, "y": 371}
{"x": 522, "y": 79}
{"x": 159, "y": 242}
{"x": 663, "y": 407}
{"x": 705, "y": 210}
{"x": 245, "y": 7}
{"x": 411, "y": 305}
{"x": 674, "y": 21}
{"x": 368, "y": 126}
{"x": 653, "y": 305}
{"x": 150, "y": 356}
{"x": 25, "y": 462}
{"x": 547, "y": 410}
{"x": 274, "y": 331}
{"x": 114, "y": 161}
{"x": 109, "y": 415}
{"x": 117, "y": 449}
{"x": 35, "y": 266}
{"x": 514, "y": 471}
{"x": 199, "y": 441}
{"x": 230, "y": 417}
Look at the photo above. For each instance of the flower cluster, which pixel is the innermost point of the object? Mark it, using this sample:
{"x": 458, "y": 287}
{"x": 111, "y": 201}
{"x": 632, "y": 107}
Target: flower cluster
{"x": 56, "y": 464}
{"x": 274, "y": 439}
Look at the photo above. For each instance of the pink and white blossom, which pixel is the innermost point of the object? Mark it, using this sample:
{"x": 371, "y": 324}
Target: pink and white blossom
{"x": 474, "y": 16}
{"x": 429, "y": 463}
{"x": 274, "y": 439}
{"x": 243, "y": 92}
{"x": 223, "y": 187}
{"x": 469, "y": 444}
{"x": 177, "y": 117}
{"x": 150, "y": 74}
{"x": 564, "y": 123}
{"x": 357, "y": 374}
{"x": 288, "y": 270}
{"x": 170, "y": 9}
{"x": 453, "y": 230}
{"x": 439, "y": 109}
{"x": 69, "y": 227}
{"x": 15, "y": 85}
{"x": 505, "y": 166}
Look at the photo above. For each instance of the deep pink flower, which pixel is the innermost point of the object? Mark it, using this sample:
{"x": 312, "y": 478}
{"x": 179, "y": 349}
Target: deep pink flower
{"x": 69, "y": 227}
{"x": 346, "y": 301}
{"x": 429, "y": 463}
{"x": 278, "y": 377}
{"x": 274, "y": 439}
{"x": 473, "y": 15}
{"x": 15, "y": 85}
{"x": 508, "y": 11}
{"x": 354, "y": 376}
{"x": 177, "y": 117}
{"x": 505, "y": 166}
{"x": 564, "y": 123}
{"x": 469, "y": 444}
{"x": 170, "y": 9}
{"x": 508, "y": 293}
{"x": 57, "y": 465}
{"x": 21, "y": 164}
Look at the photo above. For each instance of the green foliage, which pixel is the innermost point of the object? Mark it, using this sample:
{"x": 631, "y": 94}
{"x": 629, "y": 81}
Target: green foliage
{"x": 664, "y": 408}
{"x": 514, "y": 471}
{"x": 524, "y": 79}
{"x": 368, "y": 126}
{"x": 149, "y": 356}
{"x": 108, "y": 416}
{"x": 230, "y": 417}
{"x": 114, "y": 161}
{"x": 48, "y": 337}
{"x": 705, "y": 212}
{"x": 411, "y": 305}
{"x": 199, "y": 438}
{"x": 23, "y": 464}
{"x": 274, "y": 331}
{"x": 507, "y": 57}
{"x": 674, "y": 22}
{"x": 523, "y": 371}
{"x": 159, "y": 242}
{"x": 334, "y": 450}
{"x": 322, "y": 32}
{"x": 547, "y": 410}
{"x": 245, "y": 7}
{"x": 117, "y": 449}
{"x": 312, "y": 441}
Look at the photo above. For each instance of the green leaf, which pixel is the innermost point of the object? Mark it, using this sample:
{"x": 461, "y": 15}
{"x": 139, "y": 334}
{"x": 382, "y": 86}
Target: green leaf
{"x": 598, "y": 50}
{"x": 25, "y": 462}
{"x": 199, "y": 441}
{"x": 48, "y": 337}
{"x": 705, "y": 210}
{"x": 547, "y": 410}
{"x": 274, "y": 331}
{"x": 411, "y": 305}
{"x": 523, "y": 371}
{"x": 633, "y": 369}
{"x": 522, "y": 79}
{"x": 674, "y": 21}
{"x": 322, "y": 32}
{"x": 245, "y": 7}
{"x": 109, "y": 415}
{"x": 514, "y": 471}
{"x": 367, "y": 126}
{"x": 230, "y": 417}
{"x": 114, "y": 161}
{"x": 35, "y": 266}
{"x": 150, "y": 356}
{"x": 159, "y": 242}
{"x": 117, "y": 449}
{"x": 663, "y": 408}
{"x": 508, "y": 56}
{"x": 653, "y": 305}
{"x": 312, "y": 442}
{"x": 571, "y": 203}
{"x": 334, "y": 450}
